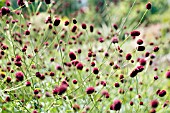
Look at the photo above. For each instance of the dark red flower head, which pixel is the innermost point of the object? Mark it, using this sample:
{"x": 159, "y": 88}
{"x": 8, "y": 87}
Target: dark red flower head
{"x": 91, "y": 28}
{"x": 116, "y": 105}
{"x": 115, "y": 26}
{"x": 19, "y": 76}
{"x": 167, "y": 74}
{"x": 136, "y": 71}
{"x": 128, "y": 56}
{"x": 140, "y": 41}
{"x": 52, "y": 73}
{"x": 60, "y": 90}
{"x": 135, "y": 33}
{"x": 32, "y": 0}
{"x": 79, "y": 66}
{"x": 8, "y": 3}
{"x": 18, "y": 58}
{"x": 142, "y": 62}
{"x": 156, "y": 48}
{"x": 152, "y": 111}
{"x": 20, "y": 3}
{"x": 56, "y": 22}
{"x": 95, "y": 70}
{"x": 74, "y": 21}
{"x": 66, "y": 23}
{"x": 90, "y": 90}
{"x": 28, "y": 83}
{"x": 115, "y": 40}
{"x": 105, "y": 93}
{"x": 83, "y": 25}
{"x": 162, "y": 93}
{"x": 74, "y": 81}
{"x": 74, "y": 28}
{"x": 154, "y": 103}
{"x": 47, "y": 1}
{"x": 72, "y": 56}
{"x": 148, "y": 6}
{"x": 4, "y": 10}
{"x": 27, "y": 32}
{"x": 140, "y": 48}
{"x": 35, "y": 111}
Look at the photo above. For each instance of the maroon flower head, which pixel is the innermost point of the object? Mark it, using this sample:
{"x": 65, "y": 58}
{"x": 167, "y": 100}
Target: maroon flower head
{"x": 128, "y": 56}
{"x": 140, "y": 68}
{"x": 4, "y": 10}
{"x": 148, "y": 6}
{"x": 90, "y": 90}
{"x": 115, "y": 40}
{"x": 152, "y": 111}
{"x": 56, "y": 22}
{"x": 155, "y": 77}
{"x": 147, "y": 54}
{"x": 74, "y": 21}
{"x": 19, "y": 76}
{"x": 79, "y": 66}
{"x": 74, "y": 28}
{"x": 116, "y": 105}
{"x": 52, "y": 73}
{"x": 167, "y": 74}
{"x": 136, "y": 71}
{"x": 18, "y": 58}
{"x": 140, "y": 41}
{"x": 117, "y": 84}
{"x": 95, "y": 70}
{"x": 131, "y": 103}
{"x": 162, "y": 93}
{"x": 154, "y": 103}
{"x": 58, "y": 67}
{"x": 156, "y": 48}
{"x": 8, "y": 3}
{"x": 47, "y": 1}
{"x": 20, "y": 3}
{"x": 135, "y": 33}
{"x": 76, "y": 107}
{"x": 140, "y": 48}
{"x": 140, "y": 103}
{"x": 38, "y": 74}
{"x": 165, "y": 103}
{"x": 32, "y": 0}
{"x": 35, "y": 111}
{"x": 74, "y": 81}
{"x": 27, "y": 32}
{"x": 60, "y": 90}
{"x": 28, "y": 83}
{"x": 75, "y": 62}
{"x": 142, "y": 62}
{"x": 115, "y": 26}
{"x": 83, "y": 25}
{"x": 7, "y": 99}
{"x": 103, "y": 83}
{"x": 72, "y": 56}
{"x": 18, "y": 63}
{"x": 91, "y": 28}
{"x": 36, "y": 91}
{"x": 101, "y": 39}
{"x": 66, "y": 23}
{"x": 105, "y": 93}
{"x": 8, "y": 79}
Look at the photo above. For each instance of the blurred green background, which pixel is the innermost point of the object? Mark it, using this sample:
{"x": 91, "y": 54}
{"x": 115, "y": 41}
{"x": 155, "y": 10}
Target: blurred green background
{"x": 106, "y": 11}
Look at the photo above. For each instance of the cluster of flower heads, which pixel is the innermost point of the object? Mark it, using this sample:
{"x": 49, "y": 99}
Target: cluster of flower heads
{"x": 90, "y": 68}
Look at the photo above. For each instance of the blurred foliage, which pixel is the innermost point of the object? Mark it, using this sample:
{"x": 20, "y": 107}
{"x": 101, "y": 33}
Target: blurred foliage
{"x": 106, "y": 12}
